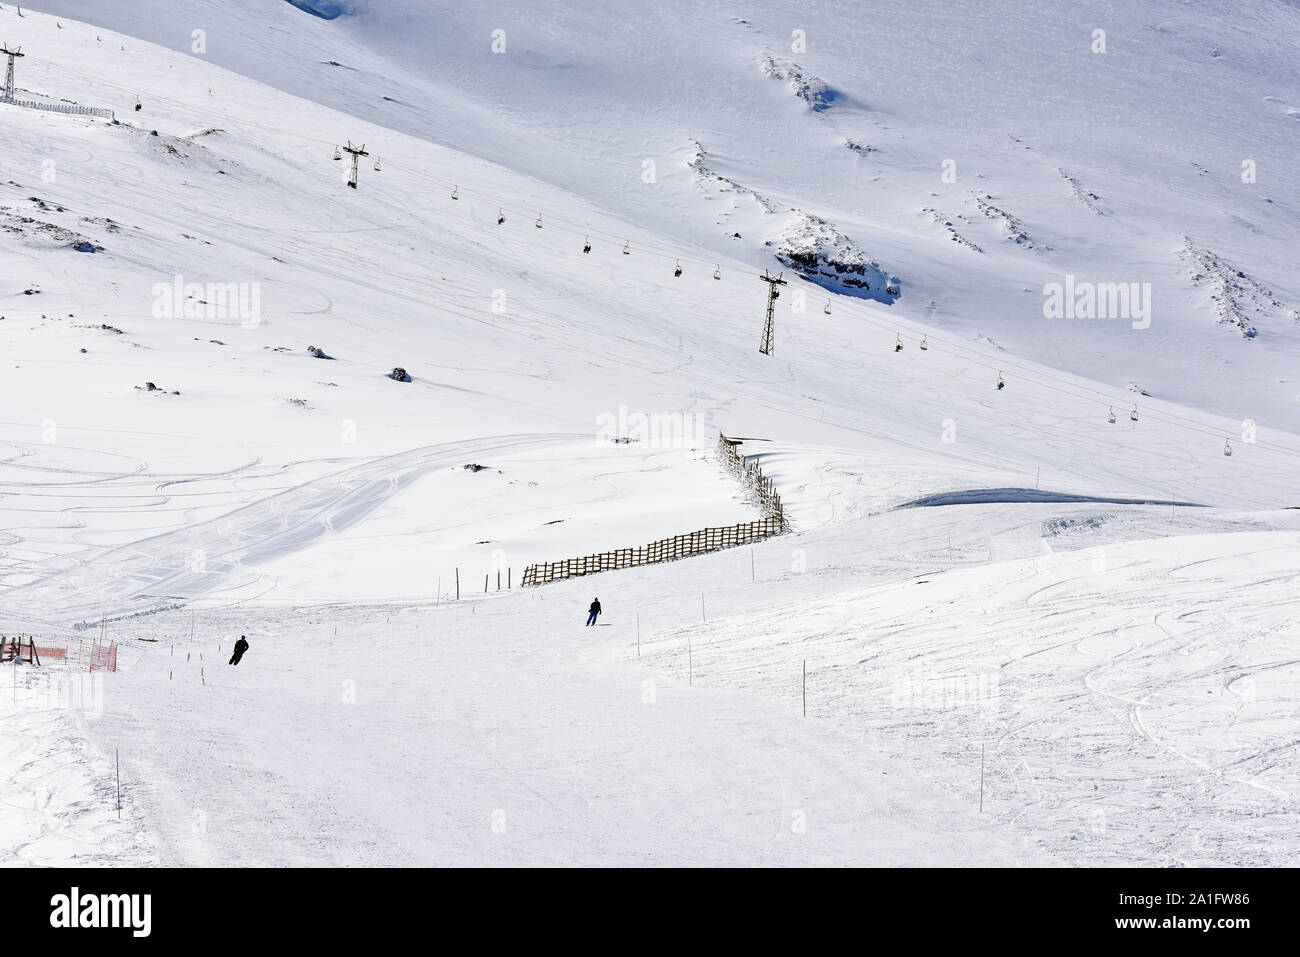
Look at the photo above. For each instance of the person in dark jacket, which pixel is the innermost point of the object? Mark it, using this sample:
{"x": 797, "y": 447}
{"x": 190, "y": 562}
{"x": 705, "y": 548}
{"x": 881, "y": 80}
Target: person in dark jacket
{"x": 241, "y": 646}
{"x": 593, "y": 611}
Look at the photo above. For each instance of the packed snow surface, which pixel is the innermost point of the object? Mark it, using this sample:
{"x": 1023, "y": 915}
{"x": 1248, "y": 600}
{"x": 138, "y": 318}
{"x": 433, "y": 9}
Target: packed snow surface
{"x": 1002, "y": 630}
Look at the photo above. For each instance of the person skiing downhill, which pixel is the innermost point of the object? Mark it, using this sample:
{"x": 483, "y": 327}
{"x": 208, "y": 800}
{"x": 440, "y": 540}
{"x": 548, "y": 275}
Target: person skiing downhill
{"x": 241, "y": 646}
{"x": 593, "y": 611}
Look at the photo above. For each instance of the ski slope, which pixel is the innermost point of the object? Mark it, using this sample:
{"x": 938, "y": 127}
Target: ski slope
{"x": 1102, "y": 607}
{"x": 1061, "y": 160}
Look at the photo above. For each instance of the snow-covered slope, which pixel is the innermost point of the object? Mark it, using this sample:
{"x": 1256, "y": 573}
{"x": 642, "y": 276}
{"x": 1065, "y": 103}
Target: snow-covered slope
{"x": 305, "y": 497}
{"x": 977, "y": 151}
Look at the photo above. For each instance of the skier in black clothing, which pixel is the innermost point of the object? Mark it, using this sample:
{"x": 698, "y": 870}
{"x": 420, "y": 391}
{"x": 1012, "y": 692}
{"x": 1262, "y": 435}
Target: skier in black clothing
{"x": 593, "y": 611}
{"x": 241, "y": 646}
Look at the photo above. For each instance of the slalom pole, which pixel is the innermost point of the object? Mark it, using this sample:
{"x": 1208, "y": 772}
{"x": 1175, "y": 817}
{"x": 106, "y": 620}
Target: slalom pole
{"x": 981, "y": 777}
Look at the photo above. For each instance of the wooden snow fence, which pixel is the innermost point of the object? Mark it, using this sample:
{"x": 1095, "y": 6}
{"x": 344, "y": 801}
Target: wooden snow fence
{"x": 685, "y": 545}
{"x": 69, "y": 108}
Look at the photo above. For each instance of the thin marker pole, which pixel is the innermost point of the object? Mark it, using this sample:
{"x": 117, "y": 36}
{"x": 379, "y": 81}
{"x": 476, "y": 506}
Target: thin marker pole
{"x": 118, "y": 759}
{"x": 981, "y": 777}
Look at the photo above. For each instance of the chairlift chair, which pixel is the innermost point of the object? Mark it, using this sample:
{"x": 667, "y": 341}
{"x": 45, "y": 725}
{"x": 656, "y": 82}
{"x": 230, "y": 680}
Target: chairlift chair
{"x": 717, "y": 273}
{"x": 1001, "y": 382}
{"x": 1227, "y": 449}
{"x": 924, "y": 344}
{"x": 627, "y": 249}
{"x": 1111, "y": 416}
{"x": 898, "y": 343}
{"x": 586, "y": 244}
{"x": 455, "y": 192}
{"x": 501, "y": 216}
{"x": 1133, "y": 416}
{"x": 827, "y": 310}
{"x": 678, "y": 271}
{"x": 376, "y": 164}
{"x": 538, "y": 224}
{"x": 338, "y": 153}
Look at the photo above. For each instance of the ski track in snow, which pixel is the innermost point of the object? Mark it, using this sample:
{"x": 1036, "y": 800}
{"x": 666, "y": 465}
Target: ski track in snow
{"x": 1137, "y": 754}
